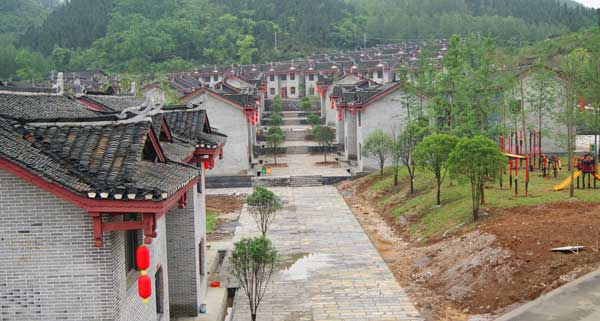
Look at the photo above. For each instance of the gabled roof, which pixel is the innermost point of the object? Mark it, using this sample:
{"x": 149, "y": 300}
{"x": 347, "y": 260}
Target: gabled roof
{"x": 113, "y": 103}
{"x": 242, "y": 101}
{"x": 365, "y": 97}
{"x": 94, "y": 158}
{"x": 42, "y": 106}
{"x": 191, "y": 125}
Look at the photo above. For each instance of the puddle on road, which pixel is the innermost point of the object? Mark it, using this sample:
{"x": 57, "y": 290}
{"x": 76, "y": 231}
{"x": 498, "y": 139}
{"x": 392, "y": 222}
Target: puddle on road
{"x": 299, "y": 266}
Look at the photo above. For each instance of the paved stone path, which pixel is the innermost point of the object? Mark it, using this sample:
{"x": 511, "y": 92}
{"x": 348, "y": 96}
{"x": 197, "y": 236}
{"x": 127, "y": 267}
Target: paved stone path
{"x": 331, "y": 269}
{"x": 306, "y": 165}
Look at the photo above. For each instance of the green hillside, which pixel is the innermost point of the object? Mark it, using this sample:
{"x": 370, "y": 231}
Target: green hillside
{"x": 168, "y": 35}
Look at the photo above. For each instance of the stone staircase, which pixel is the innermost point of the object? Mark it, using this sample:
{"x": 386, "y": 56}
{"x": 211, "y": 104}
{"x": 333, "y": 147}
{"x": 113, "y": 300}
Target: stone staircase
{"x": 305, "y": 181}
{"x": 298, "y": 150}
{"x": 290, "y": 121}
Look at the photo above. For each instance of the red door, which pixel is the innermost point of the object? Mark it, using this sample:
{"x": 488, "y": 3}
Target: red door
{"x": 283, "y": 93}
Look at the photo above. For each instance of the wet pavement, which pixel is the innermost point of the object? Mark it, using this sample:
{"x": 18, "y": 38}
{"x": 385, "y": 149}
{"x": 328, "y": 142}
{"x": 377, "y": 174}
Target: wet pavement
{"x": 329, "y": 269}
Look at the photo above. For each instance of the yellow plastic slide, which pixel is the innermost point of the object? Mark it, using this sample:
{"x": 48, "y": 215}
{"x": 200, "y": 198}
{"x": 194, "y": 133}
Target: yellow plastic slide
{"x": 567, "y": 181}
{"x": 597, "y": 176}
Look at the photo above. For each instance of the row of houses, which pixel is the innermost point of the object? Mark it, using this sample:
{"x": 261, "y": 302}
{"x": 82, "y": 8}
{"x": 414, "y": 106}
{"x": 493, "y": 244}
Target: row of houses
{"x": 301, "y": 77}
{"x": 357, "y": 106}
{"x": 83, "y": 182}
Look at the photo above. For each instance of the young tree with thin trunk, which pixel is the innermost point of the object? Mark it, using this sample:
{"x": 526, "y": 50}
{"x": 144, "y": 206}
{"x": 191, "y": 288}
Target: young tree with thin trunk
{"x": 325, "y": 136}
{"x": 378, "y": 146}
{"x": 263, "y": 205}
{"x": 276, "y": 105}
{"x": 573, "y": 69}
{"x": 433, "y": 154}
{"x": 275, "y": 139}
{"x": 477, "y": 159}
{"x": 403, "y": 149}
{"x": 252, "y": 264}
{"x": 305, "y": 104}
{"x": 543, "y": 95}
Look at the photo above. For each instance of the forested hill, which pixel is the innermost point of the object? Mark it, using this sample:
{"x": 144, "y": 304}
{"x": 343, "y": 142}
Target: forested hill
{"x": 505, "y": 19}
{"x": 166, "y": 35}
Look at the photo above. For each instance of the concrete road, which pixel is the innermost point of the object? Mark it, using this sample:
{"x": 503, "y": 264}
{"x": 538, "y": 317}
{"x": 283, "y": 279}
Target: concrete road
{"x": 575, "y": 301}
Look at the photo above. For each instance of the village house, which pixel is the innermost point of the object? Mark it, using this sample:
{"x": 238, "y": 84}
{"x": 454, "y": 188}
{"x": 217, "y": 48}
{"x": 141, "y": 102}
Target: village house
{"x": 81, "y": 189}
{"x": 553, "y": 132}
{"x": 236, "y": 114}
{"x": 362, "y": 111}
{"x": 284, "y": 80}
{"x": 332, "y": 92}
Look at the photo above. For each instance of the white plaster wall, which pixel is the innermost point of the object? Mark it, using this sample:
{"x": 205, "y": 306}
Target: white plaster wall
{"x": 311, "y": 83}
{"x": 231, "y": 121}
{"x": 340, "y": 129}
{"x": 331, "y": 118}
{"x": 388, "y": 114}
{"x": 350, "y": 130}
{"x": 272, "y": 84}
{"x": 553, "y": 132}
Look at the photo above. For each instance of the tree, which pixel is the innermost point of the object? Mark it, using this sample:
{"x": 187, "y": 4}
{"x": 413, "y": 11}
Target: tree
{"x": 542, "y": 97}
{"x": 403, "y": 149}
{"x": 314, "y": 120}
{"x": 433, "y": 154}
{"x": 378, "y": 145}
{"x": 573, "y": 68}
{"x": 252, "y": 263}
{"x": 275, "y": 138}
{"x": 476, "y": 159}
{"x": 276, "y": 105}
{"x": 325, "y": 136}
{"x": 275, "y": 120}
{"x": 263, "y": 205}
{"x": 305, "y": 104}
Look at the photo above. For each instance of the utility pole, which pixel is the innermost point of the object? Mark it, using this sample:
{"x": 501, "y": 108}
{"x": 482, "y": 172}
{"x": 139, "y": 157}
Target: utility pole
{"x": 275, "y": 39}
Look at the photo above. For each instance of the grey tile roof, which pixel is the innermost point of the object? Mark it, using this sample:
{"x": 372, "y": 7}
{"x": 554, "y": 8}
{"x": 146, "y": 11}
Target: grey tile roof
{"x": 48, "y": 107}
{"x": 191, "y": 126}
{"x": 93, "y": 157}
{"x": 114, "y": 102}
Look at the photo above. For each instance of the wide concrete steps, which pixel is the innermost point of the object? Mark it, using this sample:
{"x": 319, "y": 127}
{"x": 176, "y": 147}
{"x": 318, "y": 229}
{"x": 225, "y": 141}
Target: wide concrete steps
{"x": 295, "y": 135}
{"x": 294, "y": 121}
{"x": 298, "y": 150}
{"x": 228, "y": 181}
{"x": 306, "y": 181}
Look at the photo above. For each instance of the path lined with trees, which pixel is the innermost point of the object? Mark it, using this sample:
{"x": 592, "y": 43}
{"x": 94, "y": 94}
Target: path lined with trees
{"x": 327, "y": 271}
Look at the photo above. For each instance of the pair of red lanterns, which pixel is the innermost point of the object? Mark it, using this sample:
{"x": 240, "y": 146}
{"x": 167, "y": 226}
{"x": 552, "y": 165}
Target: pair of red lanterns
{"x": 142, "y": 261}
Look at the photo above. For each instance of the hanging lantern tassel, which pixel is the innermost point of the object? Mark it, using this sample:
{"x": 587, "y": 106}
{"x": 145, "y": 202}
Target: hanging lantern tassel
{"x": 332, "y": 105}
{"x": 142, "y": 261}
{"x": 339, "y": 115}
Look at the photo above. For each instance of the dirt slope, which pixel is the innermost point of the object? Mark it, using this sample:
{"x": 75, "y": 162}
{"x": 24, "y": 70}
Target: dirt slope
{"x": 482, "y": 271}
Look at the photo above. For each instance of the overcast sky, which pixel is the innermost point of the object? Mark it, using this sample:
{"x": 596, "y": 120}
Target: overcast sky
{"x": 590, "y": 3}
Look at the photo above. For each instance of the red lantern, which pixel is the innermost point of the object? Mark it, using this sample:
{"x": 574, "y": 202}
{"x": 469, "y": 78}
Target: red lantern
{"x": 332, "y": 105}
{"x": 144, "y": 287}
{"x": 142, "y": 258}
{"x": 205, "y": 165}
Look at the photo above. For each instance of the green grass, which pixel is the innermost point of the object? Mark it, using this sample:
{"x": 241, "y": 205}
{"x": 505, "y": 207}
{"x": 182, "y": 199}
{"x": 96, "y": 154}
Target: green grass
{"x": 211, "y": 221}
{"x": 456, "y": 205}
